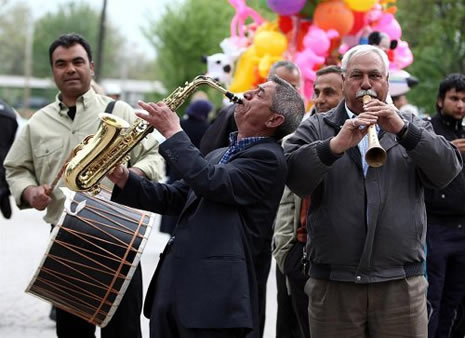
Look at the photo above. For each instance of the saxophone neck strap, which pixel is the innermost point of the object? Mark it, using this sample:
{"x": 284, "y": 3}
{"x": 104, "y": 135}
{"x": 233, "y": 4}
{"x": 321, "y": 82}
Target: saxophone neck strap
{"x": 110, "y": 106}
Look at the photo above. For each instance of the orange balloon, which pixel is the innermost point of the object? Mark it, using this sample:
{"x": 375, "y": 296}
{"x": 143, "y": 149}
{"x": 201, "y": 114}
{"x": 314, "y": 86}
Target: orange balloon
{"x": 334, "y": 15}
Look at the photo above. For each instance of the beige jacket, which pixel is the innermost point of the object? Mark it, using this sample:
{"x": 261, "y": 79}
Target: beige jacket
{"x": 48, "y": 138}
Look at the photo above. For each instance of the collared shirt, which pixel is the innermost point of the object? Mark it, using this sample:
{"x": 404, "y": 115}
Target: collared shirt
{"x": 236, "y": 146}
{"x": 363, "y": 144}
{"x": 48, "y": 138}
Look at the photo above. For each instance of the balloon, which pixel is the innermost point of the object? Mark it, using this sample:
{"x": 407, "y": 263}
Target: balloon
{"x": 244, "y": 76}
{"x": 285, "y": 24}
{"x": 270, "y": 43}
{"x": 402, "y": 56}
{"x": 317, "y": 43}
{"x": 334, "y": 15}
{"x": 318, "y": 40}
{"x": 286, "y": 7}
{"x": 360, "y": 5}
{"x": 347, "y": 43}
{"x": 389, "y": 25}
{"x": 242, "y": 13}
{"x": 359, "y": 22}
{"x": 302, "y": 31}
{"x": 267, "y": 48}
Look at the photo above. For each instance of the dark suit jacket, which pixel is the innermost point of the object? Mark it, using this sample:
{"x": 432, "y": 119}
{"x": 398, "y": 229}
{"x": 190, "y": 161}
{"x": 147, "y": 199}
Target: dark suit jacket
{"x": 223, "y": 208}
{"x": 217, "y": 135}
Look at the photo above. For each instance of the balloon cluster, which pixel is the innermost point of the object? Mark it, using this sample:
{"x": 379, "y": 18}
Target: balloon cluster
{"x": 311, "y": 33}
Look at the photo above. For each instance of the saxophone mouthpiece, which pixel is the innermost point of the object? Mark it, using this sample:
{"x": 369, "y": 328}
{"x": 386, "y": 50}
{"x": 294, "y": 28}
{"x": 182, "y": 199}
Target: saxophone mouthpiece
{"x": 233, "y": 97}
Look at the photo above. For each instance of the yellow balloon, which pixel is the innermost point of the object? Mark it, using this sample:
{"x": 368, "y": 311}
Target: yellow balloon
{"x": 244, "y": 75}
{"x": 267, "y": 48}
{"x": 360, "y": 5}
{"x": 265, "y": 64}
{"x": 270, "y": 43}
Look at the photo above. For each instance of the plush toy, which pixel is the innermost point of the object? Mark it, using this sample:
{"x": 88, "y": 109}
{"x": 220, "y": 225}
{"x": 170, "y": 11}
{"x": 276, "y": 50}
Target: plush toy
{"x": 220, "y": 66}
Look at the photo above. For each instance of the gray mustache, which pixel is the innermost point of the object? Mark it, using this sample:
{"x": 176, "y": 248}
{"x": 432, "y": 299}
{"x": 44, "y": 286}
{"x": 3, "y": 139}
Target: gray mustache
{"x": 370, "y": 92}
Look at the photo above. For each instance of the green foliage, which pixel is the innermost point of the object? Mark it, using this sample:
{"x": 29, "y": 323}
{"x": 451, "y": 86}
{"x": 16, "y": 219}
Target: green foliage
{"x": 81, "y": 18}
{"x": 435, "y": 31}
{"x": 185, "y": 33}
{"x": 13, "y": 27}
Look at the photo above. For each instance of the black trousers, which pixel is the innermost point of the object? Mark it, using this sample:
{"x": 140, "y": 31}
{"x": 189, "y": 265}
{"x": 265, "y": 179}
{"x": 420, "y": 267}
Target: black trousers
{"x": 446, "y": 276}
{"x": 296, "y": 278}
{"x": 125, "y": 323}
{"x": 163, "y": 320}
{"x": 286, "y": 319}
{"x": 459, "y": 326}
{"x": 262, "y": 264}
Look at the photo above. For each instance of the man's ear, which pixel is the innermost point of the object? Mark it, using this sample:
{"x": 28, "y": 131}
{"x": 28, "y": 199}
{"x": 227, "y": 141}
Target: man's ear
{"x": 439, "y": 102}
{"x": 92, "y": 68}
{"x": 275, "y": 121}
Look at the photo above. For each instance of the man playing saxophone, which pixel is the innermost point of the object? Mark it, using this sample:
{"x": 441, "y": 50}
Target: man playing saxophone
{"x": 46, "y": 142}
{"x": 367, "y": 225}
{"x": 205, "y": 284}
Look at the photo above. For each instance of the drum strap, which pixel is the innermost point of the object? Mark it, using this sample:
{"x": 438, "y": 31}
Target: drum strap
{"x": 110, "y": 106}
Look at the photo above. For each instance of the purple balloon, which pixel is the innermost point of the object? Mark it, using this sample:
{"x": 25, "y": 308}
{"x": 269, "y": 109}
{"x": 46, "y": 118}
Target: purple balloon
{"x": 286, "y": 7}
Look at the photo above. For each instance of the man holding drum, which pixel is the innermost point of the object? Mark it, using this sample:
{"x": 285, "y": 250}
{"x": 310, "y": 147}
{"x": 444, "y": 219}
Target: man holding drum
{"x": 367, "y": 225}
{"x": 45, "y": 143}
{"x": 205, "y": 284}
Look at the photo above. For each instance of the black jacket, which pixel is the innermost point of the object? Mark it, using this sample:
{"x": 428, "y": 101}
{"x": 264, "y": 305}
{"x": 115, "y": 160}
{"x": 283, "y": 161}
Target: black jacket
{"x": 447, "y": 206}
{"x": 367, "y": 229}
{"x": 224, "y": 209}
{"x": 217, "y": 135}
{"x": 8, "y": 127}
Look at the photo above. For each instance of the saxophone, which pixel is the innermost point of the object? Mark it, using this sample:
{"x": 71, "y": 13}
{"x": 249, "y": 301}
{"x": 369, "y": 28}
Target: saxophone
{"x": 98, "y": 154}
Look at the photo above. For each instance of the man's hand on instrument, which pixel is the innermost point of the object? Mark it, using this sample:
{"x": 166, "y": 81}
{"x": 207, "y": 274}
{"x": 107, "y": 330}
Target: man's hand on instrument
{"x": 352, "y": 132}
{"x": 38, "y": 197}
{"x": 161, "y": 117}
{"x": 388, "y": 118}
{"x": 119, "y": 176}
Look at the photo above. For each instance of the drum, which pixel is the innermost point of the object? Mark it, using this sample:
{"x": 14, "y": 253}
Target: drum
{"x": 92, "y": 256}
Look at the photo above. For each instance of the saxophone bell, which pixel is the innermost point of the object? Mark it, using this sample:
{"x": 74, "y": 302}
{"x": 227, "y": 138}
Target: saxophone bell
{"x": 115, "y": 138}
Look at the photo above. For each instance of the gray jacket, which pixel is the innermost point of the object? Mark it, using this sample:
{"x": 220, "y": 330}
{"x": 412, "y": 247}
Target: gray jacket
{"x": 367, "y": 229}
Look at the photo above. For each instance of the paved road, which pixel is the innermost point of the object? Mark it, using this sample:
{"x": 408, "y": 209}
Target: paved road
{"x": 23, "y": 241}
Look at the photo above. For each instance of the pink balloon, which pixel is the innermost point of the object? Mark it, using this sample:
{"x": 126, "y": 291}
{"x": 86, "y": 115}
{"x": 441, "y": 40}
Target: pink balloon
{"x": 242, "y": 13}
{"x": 348, "y": 41}
{"x": 316, "y": 46}
{"x": 402, "y": 56}
{"x": 319, "y": 40}
{"x": 307, "y": 60}
{"x": 389, "y": 25}
{"x": 286, "y": 7}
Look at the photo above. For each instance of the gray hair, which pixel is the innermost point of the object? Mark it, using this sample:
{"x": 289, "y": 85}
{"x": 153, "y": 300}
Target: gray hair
{"x": 362, "y": 50}
{"x": 287, "y": 102}
{"x": 289, "y": 65}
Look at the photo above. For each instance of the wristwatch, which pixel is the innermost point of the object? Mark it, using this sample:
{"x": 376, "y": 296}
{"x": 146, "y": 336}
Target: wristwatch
{"x": 403, "y": 131}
